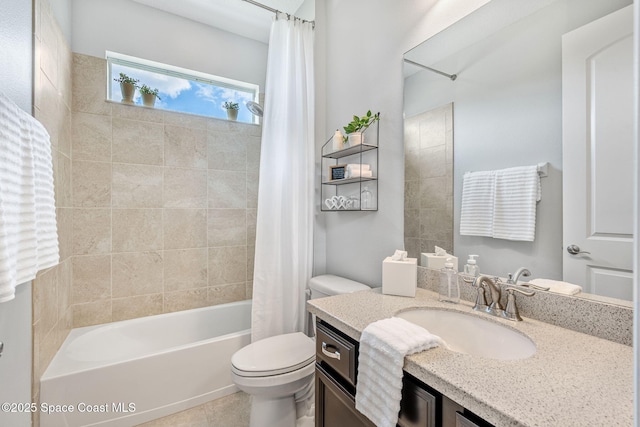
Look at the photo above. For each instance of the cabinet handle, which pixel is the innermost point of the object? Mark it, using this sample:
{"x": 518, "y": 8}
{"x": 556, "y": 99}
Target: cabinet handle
{"x": 334, "y": 355}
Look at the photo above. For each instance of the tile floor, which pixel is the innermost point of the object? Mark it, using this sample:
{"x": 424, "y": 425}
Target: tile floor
{"x": 229, "y": 411}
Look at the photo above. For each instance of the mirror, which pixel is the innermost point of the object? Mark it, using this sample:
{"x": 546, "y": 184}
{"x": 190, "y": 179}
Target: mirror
{"x": 506, "y": 105}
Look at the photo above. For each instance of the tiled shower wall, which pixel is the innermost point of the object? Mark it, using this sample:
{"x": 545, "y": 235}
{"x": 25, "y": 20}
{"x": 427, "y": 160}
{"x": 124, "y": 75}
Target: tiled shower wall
{"x": 164, "y": 206}
{"x": 52, "y": 313}
{"x": 428, "y": 201}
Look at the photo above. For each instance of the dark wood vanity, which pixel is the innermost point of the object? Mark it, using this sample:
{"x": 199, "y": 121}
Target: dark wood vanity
{"x": 336, "y": 372}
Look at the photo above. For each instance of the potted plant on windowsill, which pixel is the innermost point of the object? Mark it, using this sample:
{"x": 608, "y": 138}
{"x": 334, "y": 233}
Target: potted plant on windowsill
{"x": 149, "y": 96}
{"x": 127, "y": 87}
{"x": 354, "y": 129}
{"x": 232, "y": 110}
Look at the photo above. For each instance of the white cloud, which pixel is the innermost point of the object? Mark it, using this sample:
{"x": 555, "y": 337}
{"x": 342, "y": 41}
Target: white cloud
{"x": 166, "y": 85}
{"x": 219, "y": 95}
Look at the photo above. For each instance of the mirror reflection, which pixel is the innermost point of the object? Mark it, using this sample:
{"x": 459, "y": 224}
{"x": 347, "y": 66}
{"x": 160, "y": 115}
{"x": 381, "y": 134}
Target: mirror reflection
{"x": 519, "y": 99}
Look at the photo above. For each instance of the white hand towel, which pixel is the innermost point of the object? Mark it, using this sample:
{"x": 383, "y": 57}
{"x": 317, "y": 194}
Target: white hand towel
{"x": 557, "y": 286}
{"x": 516, "y": 192}
{"x": 478, "y": 194}
{"x": 357, "y": 173}
{"x": 383, "y": 346}
{"x": 28, "y": 233}
{"x": 358, "y": 166}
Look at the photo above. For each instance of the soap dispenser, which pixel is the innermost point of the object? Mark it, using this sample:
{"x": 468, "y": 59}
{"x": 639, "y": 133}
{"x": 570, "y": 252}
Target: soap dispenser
{"x": 449, "y": 286}
{"x": 471, "y": 267}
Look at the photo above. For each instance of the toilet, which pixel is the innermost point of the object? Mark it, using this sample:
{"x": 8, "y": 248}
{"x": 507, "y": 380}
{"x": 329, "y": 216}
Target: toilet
{"x": 274, "y": 369}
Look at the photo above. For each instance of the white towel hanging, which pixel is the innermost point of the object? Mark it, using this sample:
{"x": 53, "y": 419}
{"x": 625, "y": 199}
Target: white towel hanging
{"x": 28, "y": 231}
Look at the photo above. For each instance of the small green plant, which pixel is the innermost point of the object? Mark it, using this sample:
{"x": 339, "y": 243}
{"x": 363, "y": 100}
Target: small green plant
{"x": 126, "y": 79}
{"x": 231, "y": 105}
{"x": 147, "y": 89}
{"x": 360, "y": 123}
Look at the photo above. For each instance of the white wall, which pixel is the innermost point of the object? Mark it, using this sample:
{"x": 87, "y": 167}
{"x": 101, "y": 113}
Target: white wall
{"x": 134, "y": 29}
{"x": 15, "y": 316}
{"x": 361, "y": 69}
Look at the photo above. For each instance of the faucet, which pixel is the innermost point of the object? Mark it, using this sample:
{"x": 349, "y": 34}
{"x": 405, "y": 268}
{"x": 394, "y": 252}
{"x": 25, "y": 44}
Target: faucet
{"x": 513, "y": 280}
{"x": 495, "y": 308}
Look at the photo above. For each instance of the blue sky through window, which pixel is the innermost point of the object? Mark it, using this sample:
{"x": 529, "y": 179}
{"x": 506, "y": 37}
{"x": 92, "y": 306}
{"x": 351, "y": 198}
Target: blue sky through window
{"x": 184, "y": 95}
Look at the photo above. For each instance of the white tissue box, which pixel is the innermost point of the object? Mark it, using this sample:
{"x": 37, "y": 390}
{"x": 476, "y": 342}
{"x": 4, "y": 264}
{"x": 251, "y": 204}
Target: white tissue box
{"x": 400, "y": 277}
{"x": 431, "y": 260}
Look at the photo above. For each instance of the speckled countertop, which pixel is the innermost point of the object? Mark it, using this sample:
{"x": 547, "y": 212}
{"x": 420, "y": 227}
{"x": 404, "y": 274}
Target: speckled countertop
{"x": 573, "y": 379}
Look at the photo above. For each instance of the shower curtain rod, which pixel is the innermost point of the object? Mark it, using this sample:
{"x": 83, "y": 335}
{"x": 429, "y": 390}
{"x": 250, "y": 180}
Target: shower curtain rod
{"x": 451, "y": 76}
{"x": 276, "y": 11}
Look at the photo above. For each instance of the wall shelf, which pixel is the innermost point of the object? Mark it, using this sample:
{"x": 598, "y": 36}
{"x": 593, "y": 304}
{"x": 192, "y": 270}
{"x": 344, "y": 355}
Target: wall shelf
{"x": 345, "y": 194}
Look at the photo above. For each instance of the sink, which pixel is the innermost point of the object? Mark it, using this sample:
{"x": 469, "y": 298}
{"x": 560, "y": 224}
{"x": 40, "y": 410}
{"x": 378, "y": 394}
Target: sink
{"x": 465, "y": 333}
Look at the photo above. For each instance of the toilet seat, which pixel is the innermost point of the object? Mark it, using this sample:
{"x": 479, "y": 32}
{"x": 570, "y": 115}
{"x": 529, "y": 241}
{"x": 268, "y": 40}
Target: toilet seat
{"x": 275, "y": 355}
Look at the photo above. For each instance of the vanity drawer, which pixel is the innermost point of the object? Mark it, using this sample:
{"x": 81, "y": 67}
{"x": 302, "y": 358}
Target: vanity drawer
{"x": 337, "y": 352}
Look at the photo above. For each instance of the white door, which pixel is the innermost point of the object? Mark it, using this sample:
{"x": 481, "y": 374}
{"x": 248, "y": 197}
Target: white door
{"x": 597, "y": 99}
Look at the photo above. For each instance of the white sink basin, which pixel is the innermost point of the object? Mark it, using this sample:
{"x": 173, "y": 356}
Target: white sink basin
{"x": 472, "y": 335}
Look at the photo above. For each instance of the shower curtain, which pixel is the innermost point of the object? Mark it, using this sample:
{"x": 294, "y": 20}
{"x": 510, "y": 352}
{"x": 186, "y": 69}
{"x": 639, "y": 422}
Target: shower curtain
{"x": 284, "y": 231}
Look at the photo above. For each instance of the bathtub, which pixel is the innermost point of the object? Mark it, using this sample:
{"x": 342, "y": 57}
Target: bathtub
{"x": 129, "y": 372}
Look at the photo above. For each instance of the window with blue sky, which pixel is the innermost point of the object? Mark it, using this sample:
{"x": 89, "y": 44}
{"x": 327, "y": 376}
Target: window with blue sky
{"x": 182, "y": 90}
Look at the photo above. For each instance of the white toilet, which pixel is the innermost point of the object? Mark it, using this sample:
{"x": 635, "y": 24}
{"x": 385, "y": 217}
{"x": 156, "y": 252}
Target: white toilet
{"x": 274, "y": 369}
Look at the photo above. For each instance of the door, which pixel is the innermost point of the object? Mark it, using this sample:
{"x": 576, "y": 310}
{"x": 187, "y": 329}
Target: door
{"x": 597, "y": 99}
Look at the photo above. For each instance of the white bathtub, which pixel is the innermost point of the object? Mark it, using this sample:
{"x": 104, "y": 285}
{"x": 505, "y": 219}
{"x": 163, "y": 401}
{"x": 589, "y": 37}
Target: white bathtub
{"x": 129, "y": 372}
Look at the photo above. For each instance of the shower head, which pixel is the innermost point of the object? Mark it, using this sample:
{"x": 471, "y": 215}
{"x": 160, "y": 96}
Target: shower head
{"x": 255, "y": 108}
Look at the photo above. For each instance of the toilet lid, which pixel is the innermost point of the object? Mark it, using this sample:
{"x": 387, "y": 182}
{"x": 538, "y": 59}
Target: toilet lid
{"x": 274, "y": 355}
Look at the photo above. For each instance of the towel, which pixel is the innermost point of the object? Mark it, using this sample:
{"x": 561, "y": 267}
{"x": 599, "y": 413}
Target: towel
{"x": 28, "y": 231}
{"x": 357, "y": 173}
{"x": 501, "y": 204}
{"x": 383, "y": 346}
{"x": 358, "y": 167}
{"x": 517, "y": 190}
{"x": 478, "y": 194}
{"x": 557, "y": 286}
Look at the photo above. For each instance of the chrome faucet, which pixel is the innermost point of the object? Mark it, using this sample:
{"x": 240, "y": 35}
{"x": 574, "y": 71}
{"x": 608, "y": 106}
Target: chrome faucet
{"x": 495, "y": 308}
{"x": 513, "y": 280}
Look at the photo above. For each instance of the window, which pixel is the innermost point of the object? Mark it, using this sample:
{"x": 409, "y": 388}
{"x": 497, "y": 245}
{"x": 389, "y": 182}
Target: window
{"x": 182, "y": 90}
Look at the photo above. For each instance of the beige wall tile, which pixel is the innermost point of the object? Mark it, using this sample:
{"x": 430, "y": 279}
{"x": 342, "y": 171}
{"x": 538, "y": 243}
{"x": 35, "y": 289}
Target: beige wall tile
{"x": 433, "y": 162}
{"x": 91, "y": 278}
{"x": 185, "y": 120}
{"x": 227, "y": 265}
{"x": 91, "y": 184}
{"x": 91, "y": 231}
{"x": 223, "y": 294}
{"x": 185, "y": 188}
{"x": 226, "y": 227}
{"x": 140, "y": 135}
{"x": 185, "y": 147}
{"x": 134, "y": 112}
{"x": 49, "y": 113}
{"x": 65, "y": 277}
{"x": 62, "y": 179}
{"x": 64, "y": 219}
{"x": 226, "y": 151}
{"x": 137, "y": 230}
{"x": 65, "y": 63}
{"x": 253, "y": 153}
{"x": 92, "y": 313}
{"x": 139, "y": 150}
{"x": 185, "y": 228}
{"x": 433, "y": 192}
{"x": 252, "y": 189}
{"x": 89, "y": 91}
{"x": 45, "y": 298}
{"x": 251, "y": 255}
{"x": 252, "y": 218}
{"x": 138, "y": 306}
{"x": 136, "y": 186}
{"x": 227, "y": 189}
{"x": 137, "y": 273}
{"x": 249, "y": 290}
{"x": 65, "y": 135}
{"x": 185, "y": 300}
{"x": 49, "y": 51}
{"x": 185, "y": 269}
{"x": 91, "y": 137}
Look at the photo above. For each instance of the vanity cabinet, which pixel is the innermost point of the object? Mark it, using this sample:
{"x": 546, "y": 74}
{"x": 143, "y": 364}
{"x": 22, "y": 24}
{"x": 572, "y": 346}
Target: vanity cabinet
{"x": 336, "y": 374}
{"x": 342, "y": 188}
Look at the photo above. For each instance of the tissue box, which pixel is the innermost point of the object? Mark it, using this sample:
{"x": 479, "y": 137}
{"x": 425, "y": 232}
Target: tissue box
{"x": 431, "y": 260}
{"x": 400, "y": 277}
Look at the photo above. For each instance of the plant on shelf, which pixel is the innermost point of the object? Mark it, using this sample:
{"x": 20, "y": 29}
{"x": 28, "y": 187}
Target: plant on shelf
{"x": 127, "y": 87}
{"x": 354, "y": 128}
{"x": 149, "y": 95}
{"x": 232, "y": 109}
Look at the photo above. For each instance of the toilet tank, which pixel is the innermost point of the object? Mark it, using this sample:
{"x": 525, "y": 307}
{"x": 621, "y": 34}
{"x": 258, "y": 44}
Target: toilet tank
{"x": 327, "y": 285}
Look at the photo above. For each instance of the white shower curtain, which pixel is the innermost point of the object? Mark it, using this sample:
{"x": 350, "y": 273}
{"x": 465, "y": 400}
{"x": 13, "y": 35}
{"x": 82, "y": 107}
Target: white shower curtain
{"x": 284, "y": 233}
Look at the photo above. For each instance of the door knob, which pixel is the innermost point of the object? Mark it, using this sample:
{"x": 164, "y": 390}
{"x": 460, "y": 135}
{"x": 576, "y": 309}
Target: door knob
{"x": 575, "y": 250}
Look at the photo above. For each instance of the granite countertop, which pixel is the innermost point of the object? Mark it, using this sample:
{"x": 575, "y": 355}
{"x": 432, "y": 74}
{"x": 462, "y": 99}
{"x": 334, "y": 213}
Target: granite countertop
{"x": 574, "y": 379}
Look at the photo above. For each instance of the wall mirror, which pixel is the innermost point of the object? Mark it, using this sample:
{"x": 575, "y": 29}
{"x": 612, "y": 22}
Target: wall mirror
{"x": 505, "y": 109}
